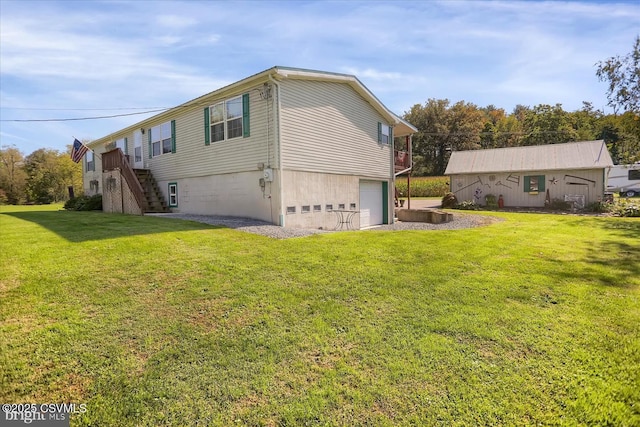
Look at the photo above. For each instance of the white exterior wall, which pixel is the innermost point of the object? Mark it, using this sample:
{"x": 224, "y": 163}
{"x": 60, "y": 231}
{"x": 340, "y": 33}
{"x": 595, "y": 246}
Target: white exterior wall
{"x": 312, "y": 188}
{"x": 511, "y": 186}
{"x": 234, "y": 194}
{"x": 328, "y": 127}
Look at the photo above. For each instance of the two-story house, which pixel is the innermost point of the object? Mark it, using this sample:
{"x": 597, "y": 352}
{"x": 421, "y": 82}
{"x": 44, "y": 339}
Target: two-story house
{"x": 286, "y": 145}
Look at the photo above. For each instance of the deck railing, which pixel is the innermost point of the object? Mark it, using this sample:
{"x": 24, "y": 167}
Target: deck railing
{"x": 115, "y": 159}
{"x": 402, "y": 160}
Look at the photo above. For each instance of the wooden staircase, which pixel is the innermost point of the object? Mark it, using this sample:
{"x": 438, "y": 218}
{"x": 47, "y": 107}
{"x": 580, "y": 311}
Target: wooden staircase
{"x": 154, "y": 199}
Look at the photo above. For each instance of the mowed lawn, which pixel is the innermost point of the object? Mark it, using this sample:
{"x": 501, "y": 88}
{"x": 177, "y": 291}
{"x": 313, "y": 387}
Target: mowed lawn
{"x": 150, "y": 321}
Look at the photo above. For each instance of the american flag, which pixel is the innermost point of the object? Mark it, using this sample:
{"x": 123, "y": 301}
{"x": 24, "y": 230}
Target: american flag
{"x": 78, "y": 151}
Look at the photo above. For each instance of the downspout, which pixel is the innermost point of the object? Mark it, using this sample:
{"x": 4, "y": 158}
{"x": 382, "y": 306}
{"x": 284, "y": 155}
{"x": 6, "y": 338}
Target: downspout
{"x": 391, "y": 195}
{"x": 278, "y": 149}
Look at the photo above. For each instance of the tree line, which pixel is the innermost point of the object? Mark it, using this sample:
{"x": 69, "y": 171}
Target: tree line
{"x": 444, "y": 127}
{"x": 41, "y": 177}
{"x": 45, "y": 175}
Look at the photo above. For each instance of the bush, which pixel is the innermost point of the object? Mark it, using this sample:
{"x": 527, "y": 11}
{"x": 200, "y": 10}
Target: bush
{"x": 560, "y": 205}
{"x": 467, "y": 205}
{"x": 424, "y": 186}
{"x": 600, "y": 207}
{"x": 626, "y": 207}
{"x": 449, "y": 200}
{"x": 84, "y": 203}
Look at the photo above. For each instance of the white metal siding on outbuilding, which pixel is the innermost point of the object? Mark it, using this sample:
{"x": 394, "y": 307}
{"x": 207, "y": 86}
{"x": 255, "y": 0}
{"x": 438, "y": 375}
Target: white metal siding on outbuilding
{"x": 370, "y": 203}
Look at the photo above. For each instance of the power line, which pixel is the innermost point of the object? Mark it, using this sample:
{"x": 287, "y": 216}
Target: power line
{"x": 82, "y": 109}
{"x": 84, "y": 118}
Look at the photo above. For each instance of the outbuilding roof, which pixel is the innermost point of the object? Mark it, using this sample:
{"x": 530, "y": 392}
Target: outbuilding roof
{"x": 570, "y": 155}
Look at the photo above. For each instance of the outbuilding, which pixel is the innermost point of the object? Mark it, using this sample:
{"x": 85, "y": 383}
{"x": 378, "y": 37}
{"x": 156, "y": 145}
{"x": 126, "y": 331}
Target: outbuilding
{"x": 532, "y": 176}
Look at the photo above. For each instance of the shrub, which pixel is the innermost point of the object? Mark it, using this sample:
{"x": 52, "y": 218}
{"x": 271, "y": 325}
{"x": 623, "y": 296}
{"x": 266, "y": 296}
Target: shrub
{"x": 626, "y": 207}
{"x": 560, "y": 205}
{"x": 84, "y": 203}
{"x": 600, "y": 207}
{"x": 424, "y": 186}
{"x": 449, "y": 200}
{"x": 467, "y": 205}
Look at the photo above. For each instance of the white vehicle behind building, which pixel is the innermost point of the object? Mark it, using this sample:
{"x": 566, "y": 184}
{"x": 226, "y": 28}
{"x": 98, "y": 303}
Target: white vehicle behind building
{"x": 624, "y": 179}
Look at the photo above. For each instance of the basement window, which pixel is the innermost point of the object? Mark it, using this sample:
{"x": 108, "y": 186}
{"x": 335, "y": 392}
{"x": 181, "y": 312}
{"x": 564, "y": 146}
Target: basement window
{"x": 291, "y": 210}
{"x": 306, "y": 209}
{"x": 328, "y": 208}
{"x": 173, "y": 194}
{"x": 341, "y": 206}
{"x": 352, "y": 206}
{"x": 317, "y": 208}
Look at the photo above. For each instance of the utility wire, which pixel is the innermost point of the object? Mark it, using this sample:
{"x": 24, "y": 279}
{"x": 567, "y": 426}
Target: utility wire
{"x": 84, "y": 118}
{"x": 82, "y": 109}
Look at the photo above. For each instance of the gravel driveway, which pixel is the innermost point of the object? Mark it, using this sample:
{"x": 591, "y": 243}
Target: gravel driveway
{"x": 263, "y": 228}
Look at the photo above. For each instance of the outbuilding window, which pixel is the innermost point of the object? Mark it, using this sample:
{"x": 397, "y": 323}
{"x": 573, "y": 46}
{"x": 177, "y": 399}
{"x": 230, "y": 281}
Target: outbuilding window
{"x": 533, "y": 183}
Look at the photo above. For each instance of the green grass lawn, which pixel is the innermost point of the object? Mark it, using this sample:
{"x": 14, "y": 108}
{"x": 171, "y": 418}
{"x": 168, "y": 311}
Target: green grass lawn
{"x": 149, "y": 321}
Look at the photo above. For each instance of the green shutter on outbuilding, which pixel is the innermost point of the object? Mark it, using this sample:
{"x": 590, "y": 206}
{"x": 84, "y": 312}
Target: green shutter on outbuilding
{"x": 149, "y": 135}
{"x": 379, "y": 132}
{"x": 527, "y": 184}
{"x": 245, "y": 116}
{"x": 540, "y": 182}
{"x": 173, "y": 136}
{"x": 207, "y": 127}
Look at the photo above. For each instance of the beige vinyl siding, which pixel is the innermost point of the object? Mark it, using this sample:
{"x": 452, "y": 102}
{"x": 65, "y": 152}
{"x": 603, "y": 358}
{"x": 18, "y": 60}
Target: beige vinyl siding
{"x": 193, "y": 158}
{"x": 328, "y": 127}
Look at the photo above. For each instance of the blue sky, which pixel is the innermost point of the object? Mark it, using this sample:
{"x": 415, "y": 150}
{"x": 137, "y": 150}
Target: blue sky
{"x": 75, "y": 59}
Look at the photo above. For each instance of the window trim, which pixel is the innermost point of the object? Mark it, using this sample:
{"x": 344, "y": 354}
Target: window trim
{"x": 173, "y": 194}
{"x": 91, "y": 164}
{"x": 243, "y": 118}
{"x": 166, "y": 143}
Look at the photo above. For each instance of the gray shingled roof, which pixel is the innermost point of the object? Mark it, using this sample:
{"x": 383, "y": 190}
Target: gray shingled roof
{"x": 571, "y": 155}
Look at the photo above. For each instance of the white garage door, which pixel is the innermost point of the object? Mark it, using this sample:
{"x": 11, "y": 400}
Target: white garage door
{"x": 370, "y": 203}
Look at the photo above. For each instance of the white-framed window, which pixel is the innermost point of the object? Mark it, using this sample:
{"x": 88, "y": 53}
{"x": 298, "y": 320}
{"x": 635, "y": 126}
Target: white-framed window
{"x": 173, "y": 194}
{"x": 91, "y": 165}
{"x": 228, "y": 119}
{"x": 160, "y": 138}
{"x": 137, "y": 146}
{"x": 385, "y": 133}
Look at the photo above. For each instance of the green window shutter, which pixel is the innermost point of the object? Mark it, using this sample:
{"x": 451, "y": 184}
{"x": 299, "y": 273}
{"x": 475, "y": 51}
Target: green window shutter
{"x": 173, "y": 136}
{"x": 541, "y": 183}
{"x": 150, "y": 152}
{"x": 385, "y": 202}
{"x": 379, "y": 132}
{"x": 207, "y": 127}
{"x": 126, "y": 148}
{"x": 527, "y": 184}
{"x": 245, "y": 116}
{"x": 390, "y": 135}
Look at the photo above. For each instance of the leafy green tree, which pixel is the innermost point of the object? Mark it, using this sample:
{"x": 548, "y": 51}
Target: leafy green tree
{"x": 49, "y": 174}
{"x": 12, "y": 175}
{"x": 623, "y": 76}
{"x": 548, "y": 124}
{"x": 441, "y": 129}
